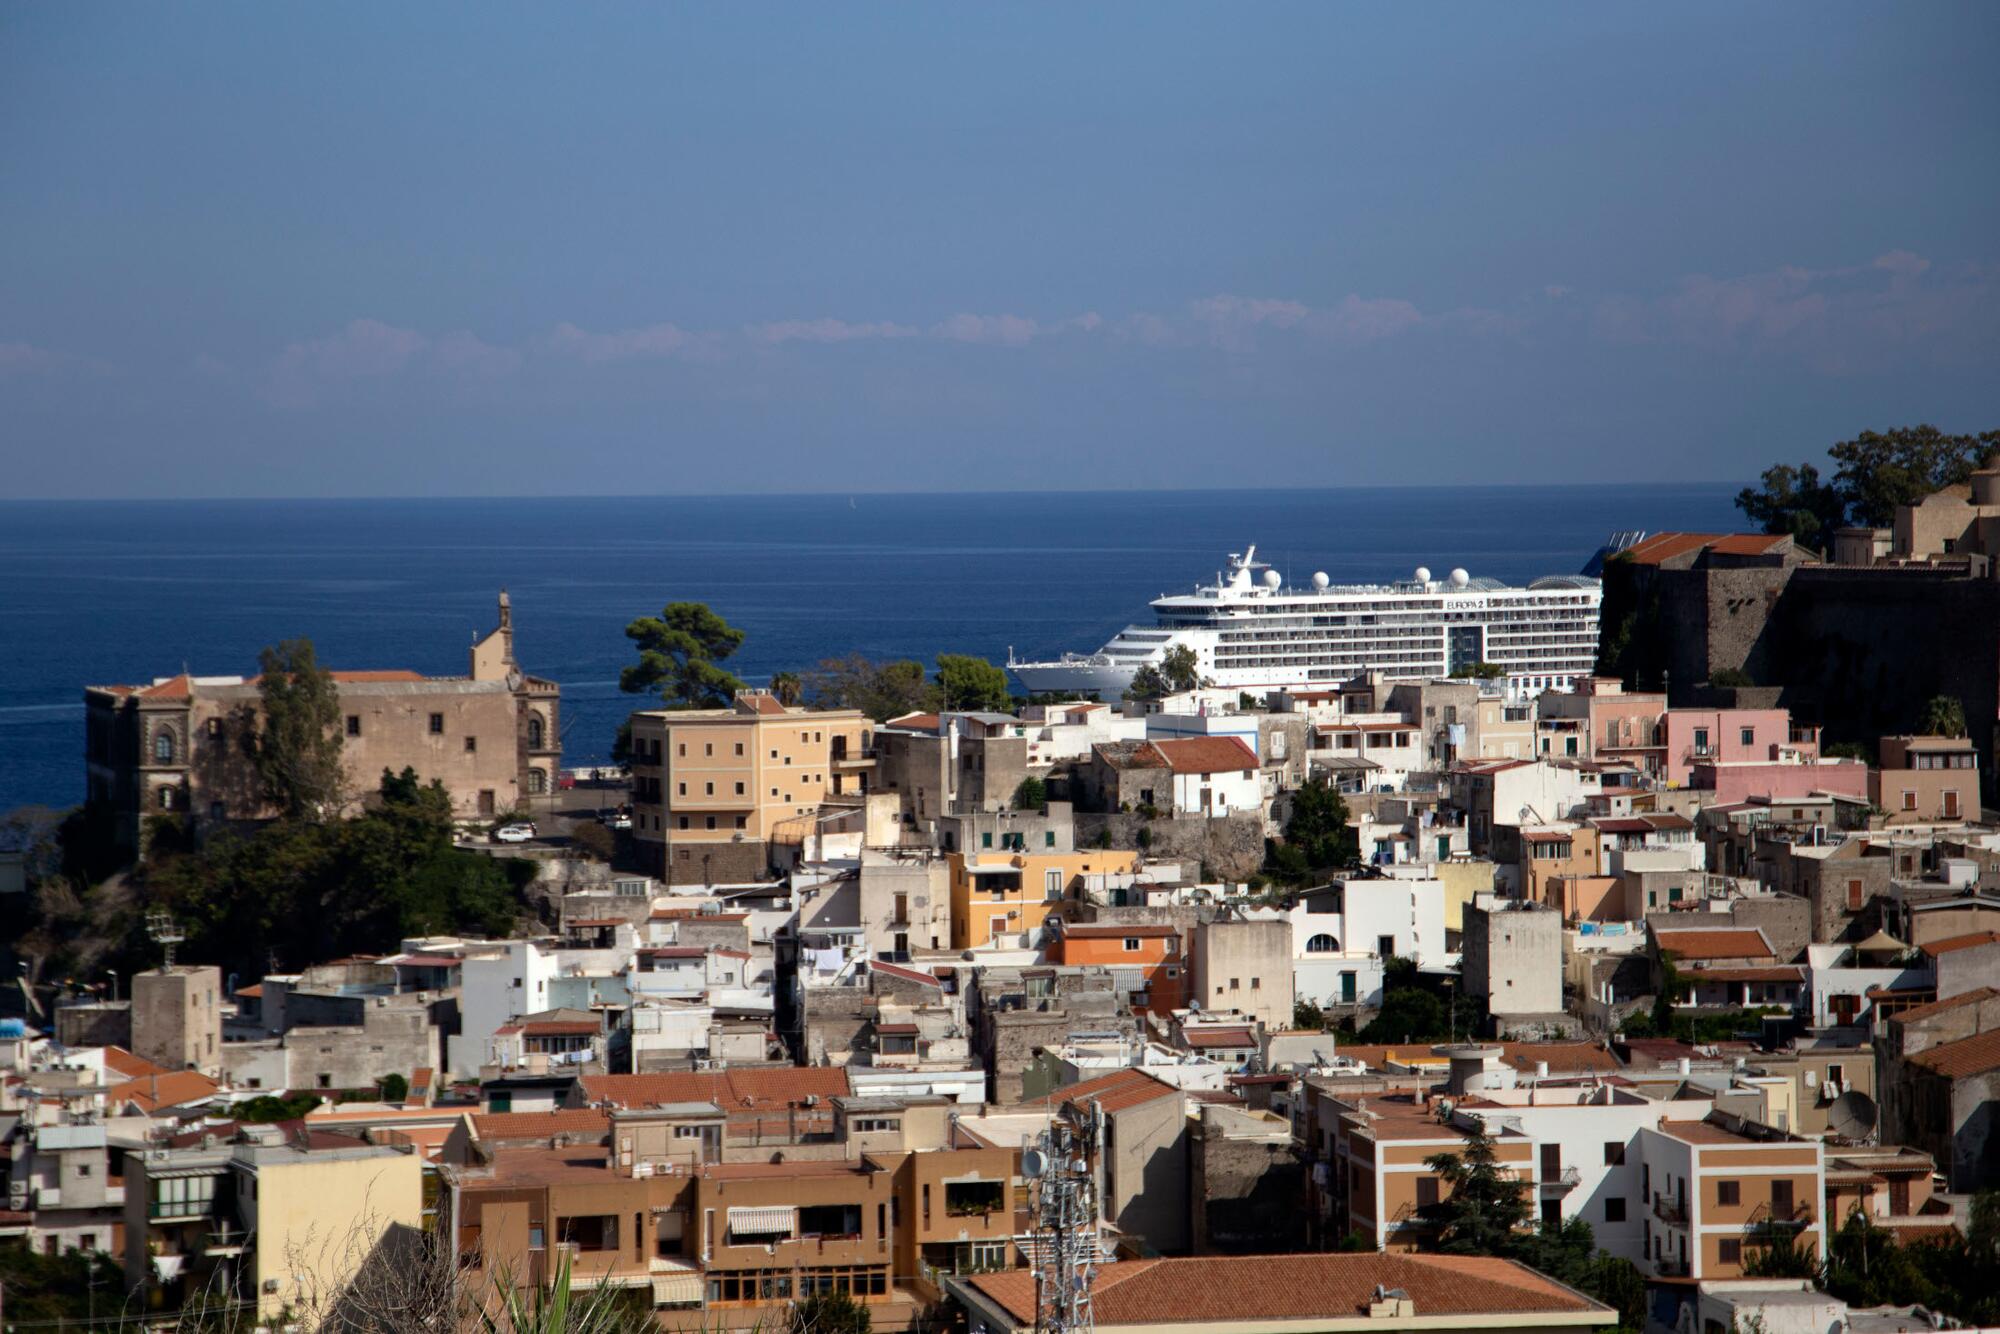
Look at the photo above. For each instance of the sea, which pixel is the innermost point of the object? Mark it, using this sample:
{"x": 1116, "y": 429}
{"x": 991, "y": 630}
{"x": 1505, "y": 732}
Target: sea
{"x": 126, "y": 591}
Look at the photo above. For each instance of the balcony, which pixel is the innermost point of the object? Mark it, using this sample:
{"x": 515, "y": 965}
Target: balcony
{"x": 1779, "y": 1219}
{"x": 1669, "y": 1212}
{"x": 1561, "y": 1182}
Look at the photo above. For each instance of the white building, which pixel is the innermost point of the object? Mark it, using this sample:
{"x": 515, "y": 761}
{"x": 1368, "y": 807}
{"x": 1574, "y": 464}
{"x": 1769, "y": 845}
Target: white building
{"x": 1513, "y": 956}
{"x": 1213, "y": 775}
{"x": 499, "y": 980}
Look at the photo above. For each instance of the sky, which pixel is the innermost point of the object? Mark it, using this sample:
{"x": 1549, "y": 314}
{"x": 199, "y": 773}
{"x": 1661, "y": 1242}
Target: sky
{"x": 389, "y": 249}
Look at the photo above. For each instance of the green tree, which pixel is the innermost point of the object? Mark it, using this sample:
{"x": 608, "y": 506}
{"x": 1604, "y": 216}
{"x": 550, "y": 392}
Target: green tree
{"x": 1480, "y": 671}
{"x": 972, "y": 684}
{"x": 298, "y": 750}
{"x": 1482, "y": 1210}
{"x": 1770, "y": 1253}
{"x": 1318, "y": 826}
{"x": 49, "y": 1290}
{"x": 1180, "y": 670}
{"x": 1306, "y": 1015}
{"x": 882, "y": 690}
{"x": 1149, "y": 682}
{"x": 1731, "y": 677}
{"x": 678, "y": 653}
{"x": 393, "y": 1088}
{"x": 788, "y": 688}
{"x": 1879, "y": 471}
{"x": 1031, "y": 795}
{"x": 266, "y": 1108}
{"x": 1794, "y": 501}
{"x": 827, "y": 1312}
{"x": 1943, "y": 716}
{"x": 593, "y": 840}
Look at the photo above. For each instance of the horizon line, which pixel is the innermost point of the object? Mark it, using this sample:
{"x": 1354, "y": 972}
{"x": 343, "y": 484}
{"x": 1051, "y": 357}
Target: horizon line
{"x": 858, "y": 494}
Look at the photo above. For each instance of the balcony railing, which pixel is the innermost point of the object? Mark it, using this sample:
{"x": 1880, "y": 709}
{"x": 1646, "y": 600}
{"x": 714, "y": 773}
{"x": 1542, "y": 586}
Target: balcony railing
{"x": 1776, "y": 1218}
{"x": 1562, "y": 1182}
{"x": 1668, "y": 1211}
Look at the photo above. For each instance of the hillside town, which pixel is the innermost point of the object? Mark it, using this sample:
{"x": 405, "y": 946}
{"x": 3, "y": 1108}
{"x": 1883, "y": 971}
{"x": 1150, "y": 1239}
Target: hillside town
{"x": 1657, "y": 989}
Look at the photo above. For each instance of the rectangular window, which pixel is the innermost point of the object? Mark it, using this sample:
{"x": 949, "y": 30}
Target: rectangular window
{"x": 437, "y": 724}
{"x": 986, "y": 840}
{"x": 1233, "y": 985}
{"x": 1049, "y": 839}
{"x": 709, "y": 789}
{"x": 711, "y": 821}
{"x": 1747, "y": 736}
{"x": 1614, "y": 1153}
{"x": 1052, "y": 884}
{"x": 684, "y": 822}
{"x": 1614, "y": 1209}
{"x": 1729, "y": 1251}
{"x": 1781, "y": 1197}
{"x": 1855, "y": 896}
{"x": 354, "y": 724}
{"x": 739, "y": 789}
{"x": 1728, "y": 1192}
{"x": 1427, "y": 1192}
{"x": 1131, "y": 942}
{"x": 1909, "y": 800}
{"x": 741, "y": 823}
{"x": 708, "y": 748}
{"x": 471, "y": 744}
{"x": 683, "y": 789}
{"x": 681, "y": 749}
{"x": 739, "y": 748}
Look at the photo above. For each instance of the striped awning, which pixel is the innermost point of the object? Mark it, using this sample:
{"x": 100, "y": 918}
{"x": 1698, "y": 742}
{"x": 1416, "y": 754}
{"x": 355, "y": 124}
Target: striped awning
{"x": 677, "y": 1289}
{"x": 761, "y": 1222}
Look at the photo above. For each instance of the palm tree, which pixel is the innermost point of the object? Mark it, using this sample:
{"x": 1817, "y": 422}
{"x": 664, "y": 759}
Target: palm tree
{"x": 787, "y": 687}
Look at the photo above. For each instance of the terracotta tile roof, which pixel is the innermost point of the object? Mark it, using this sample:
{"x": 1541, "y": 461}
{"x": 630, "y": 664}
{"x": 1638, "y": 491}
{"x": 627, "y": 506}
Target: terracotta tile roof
{"x": 118, "y": 1061}
{"x": 1969, "y": 1056}
{"x": 907, "y": 974}
{"x": 174, "y": 687}
{"x": 758, "y": 702}
{"x": 561, "y": 1028}
{"x": 1971, "y": 940}
{"x": 1118, "y": 932}
{"x": 1119, "y": 1089}
{"x": 1206, "y": 754}
{"x": 1222, "y": 1290}
{"x": 1564, "y": 1058}
{"x": 540, "y": 1125}
{"x": 255, "y": 991}
{"x": 1128, "y": 755}
{"x": 1208, "y": 1035}
{"x": 1702, "y": 1132}
{"x": 1972, "y": 997}
{"x": 915, "y": 722}
{"x": 1661, "y": 547}
{"x": 1704, "y": 942}
{"x": 1774, "y": 973}
{"x": 176, "y": 1088}
{"x": 732, "y": 1090}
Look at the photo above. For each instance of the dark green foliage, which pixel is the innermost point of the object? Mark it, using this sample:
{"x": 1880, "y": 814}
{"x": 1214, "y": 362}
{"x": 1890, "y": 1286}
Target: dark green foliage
{"x": 393, "y": 1088}
{"x": 314, "y": 891}
{"x": 1734, "y": 677}
{"x": 1317, "y": 839}
{"x": 1177, "y": 672}
{"x": 298, "y": 749}
{"x": 1775, "y": 1253}
{"x": 45, "y": 1289}
{"x": 1485, "y": 1212}
{"x": 882, "y": 690}
{"x": 593, "y": 840}
{"x": 1420, "y": 1008}
{"x": 1307, "y": 1015}
{"x": 827, "y": 1313}
{"x": 1943, "y": 716}
{"x": 1876, "y": 473}
{"x": 973, "y": 685}
{"x": 1952, "y": 1275}
{"x": 678, "y": 653}
{"x": 1481, "y": 671}
{"x": 787, "y": 688}
{"x": 1794, "y": 501}
{"x": 1031, "y": 795}
{"x": 268, "y": 1108}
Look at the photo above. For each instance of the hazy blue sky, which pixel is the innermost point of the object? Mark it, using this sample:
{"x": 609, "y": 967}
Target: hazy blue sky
{"x": 352, "y": 249}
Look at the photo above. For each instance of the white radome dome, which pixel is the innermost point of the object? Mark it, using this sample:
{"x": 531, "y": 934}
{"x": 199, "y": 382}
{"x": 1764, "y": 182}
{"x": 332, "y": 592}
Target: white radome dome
{"x": 1272, "y": 579}
{"x": 1423, "y": 574}
{"x": 1320, "y": 580}
{"x": 1459, "y": 578}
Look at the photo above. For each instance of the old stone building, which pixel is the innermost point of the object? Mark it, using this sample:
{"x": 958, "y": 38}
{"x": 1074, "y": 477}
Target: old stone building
{"x": 185, "y": 746}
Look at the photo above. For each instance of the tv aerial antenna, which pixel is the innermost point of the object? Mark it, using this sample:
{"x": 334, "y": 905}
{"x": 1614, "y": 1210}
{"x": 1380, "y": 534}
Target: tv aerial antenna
{"x": 166, "y": 933}
{"x": 1062, "y": 1179}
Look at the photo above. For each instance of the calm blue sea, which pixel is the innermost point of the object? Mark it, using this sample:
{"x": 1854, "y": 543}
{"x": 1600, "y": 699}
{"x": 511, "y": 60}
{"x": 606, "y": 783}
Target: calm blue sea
{"x": 96, "y": 592}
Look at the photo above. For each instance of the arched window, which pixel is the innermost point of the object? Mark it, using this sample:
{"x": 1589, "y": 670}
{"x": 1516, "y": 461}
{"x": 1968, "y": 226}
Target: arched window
{"x": 538, "y": 781}
{"x": 1322, "y": 944}
{"x": 163, "y": 746}
{"x": 535, "y": 732}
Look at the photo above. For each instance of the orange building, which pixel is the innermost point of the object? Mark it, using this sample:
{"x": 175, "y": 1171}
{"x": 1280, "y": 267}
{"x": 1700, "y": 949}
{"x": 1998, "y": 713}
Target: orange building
{"x": 1154, "y": 950}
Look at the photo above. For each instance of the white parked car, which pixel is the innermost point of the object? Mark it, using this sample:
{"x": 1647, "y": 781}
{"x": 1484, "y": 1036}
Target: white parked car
{"x": 618, "y": 820}
{"x": 520, "y": 832}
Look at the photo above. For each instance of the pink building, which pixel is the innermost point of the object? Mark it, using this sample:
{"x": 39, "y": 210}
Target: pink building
{"x": 1697, "y": 737}
{"x": 1781, "y": 780}
{"x": 1598, "y": 720}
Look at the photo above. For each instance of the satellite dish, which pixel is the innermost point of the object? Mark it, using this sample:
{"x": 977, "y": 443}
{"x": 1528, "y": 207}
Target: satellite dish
{"x": 1852, "y": 1116}
{"x": 1033, "y": 1164}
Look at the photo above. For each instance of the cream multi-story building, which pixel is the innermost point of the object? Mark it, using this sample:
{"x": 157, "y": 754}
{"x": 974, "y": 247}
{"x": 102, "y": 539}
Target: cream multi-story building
{"x": 183, "y": 746}
{"x": 716, "y": 792}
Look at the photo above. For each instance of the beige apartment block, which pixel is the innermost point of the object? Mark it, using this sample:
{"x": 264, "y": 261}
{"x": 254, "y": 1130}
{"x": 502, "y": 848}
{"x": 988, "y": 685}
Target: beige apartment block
{"x": 184, "y": 746}
{"x": 1926, "y": 779}
{"x": 717, "y": 794}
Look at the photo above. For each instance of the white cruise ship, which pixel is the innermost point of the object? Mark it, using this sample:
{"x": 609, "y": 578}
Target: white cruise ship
{"x": 1251, "y": 633}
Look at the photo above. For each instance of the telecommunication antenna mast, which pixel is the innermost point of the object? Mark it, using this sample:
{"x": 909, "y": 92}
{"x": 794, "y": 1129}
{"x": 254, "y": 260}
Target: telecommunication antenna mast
{"x": 1061, "y": 1172}
{"x": 161, "y": 927}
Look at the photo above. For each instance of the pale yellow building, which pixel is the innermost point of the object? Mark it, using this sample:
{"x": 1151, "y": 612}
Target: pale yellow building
{"x": 998, "y": 893}
{"x": 717, "y": 794}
